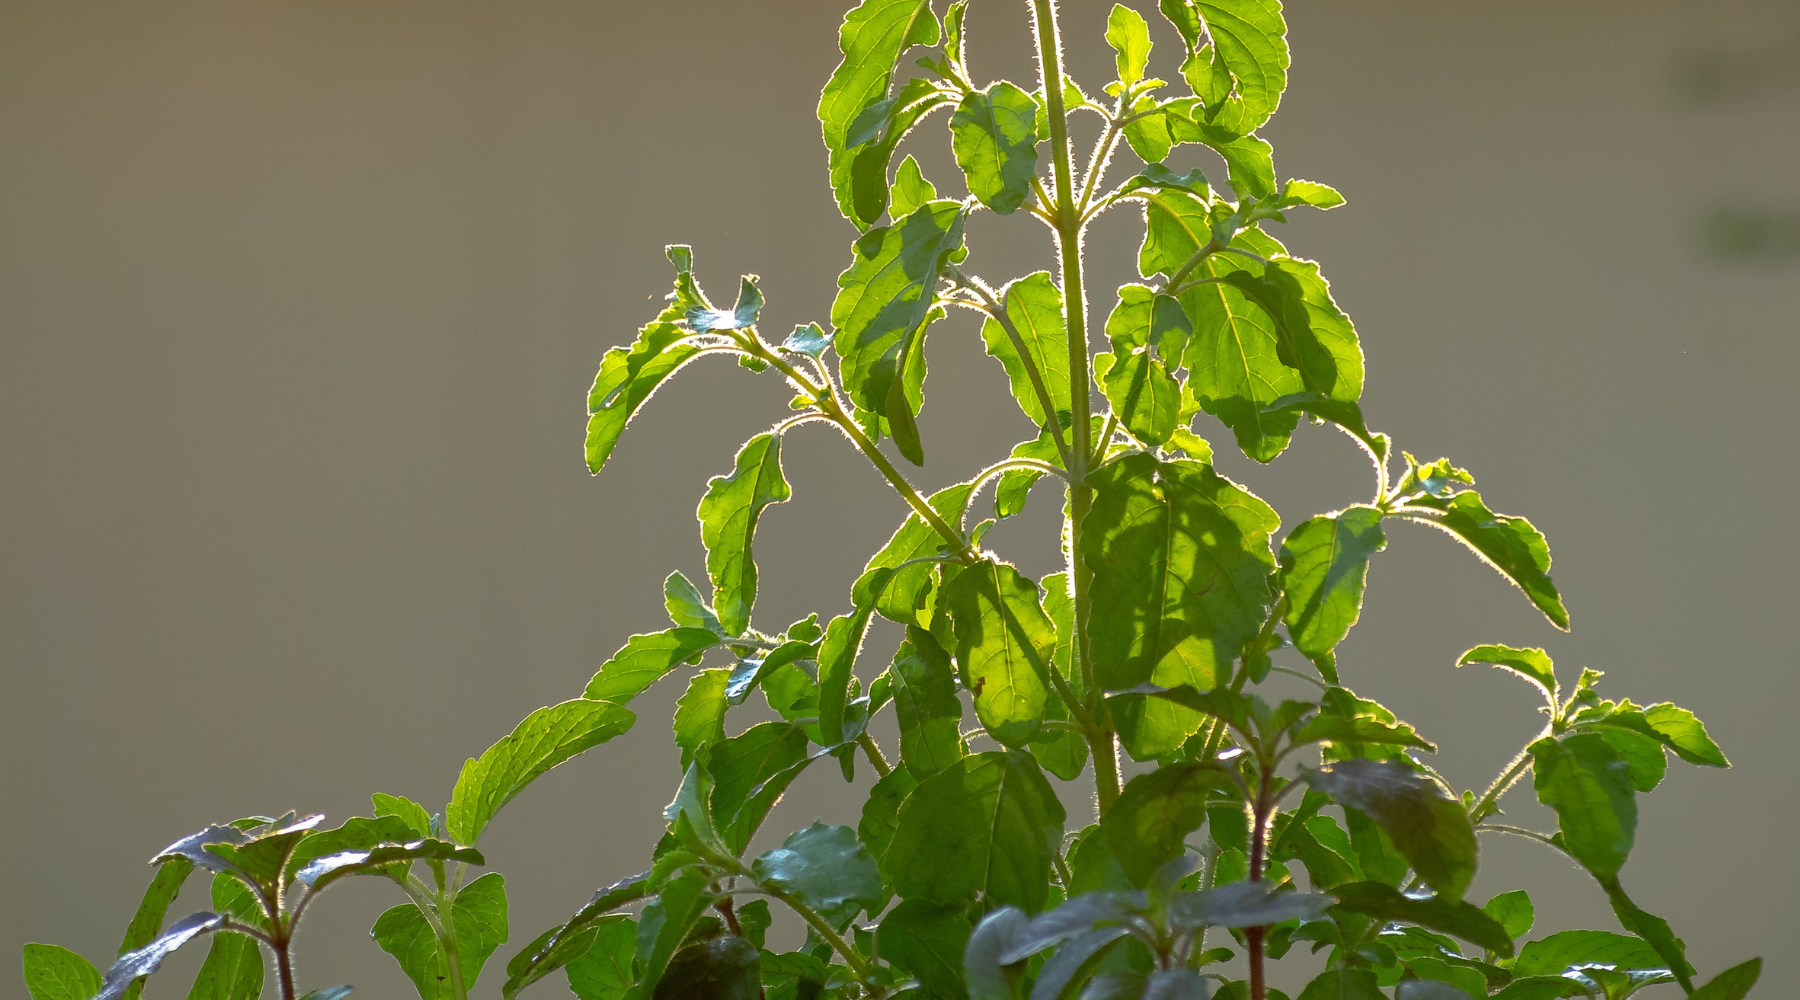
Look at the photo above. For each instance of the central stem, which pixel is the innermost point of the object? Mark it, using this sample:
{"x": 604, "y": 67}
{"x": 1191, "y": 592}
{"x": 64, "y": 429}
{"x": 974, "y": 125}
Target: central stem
{"x": 1259, "y": 836}
{"x": 1081, "y": 497}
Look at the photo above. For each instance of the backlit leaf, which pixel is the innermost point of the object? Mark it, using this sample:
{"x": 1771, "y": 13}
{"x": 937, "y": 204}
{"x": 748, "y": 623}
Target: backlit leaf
{"x": 728, "y": 516}
{"x": 872, "y": 37}
{"x": 1034, "y": 306}
{"x": 53, "y": 972}
{"x": 1324, "y": 567}
{"x": 143, "y": 961}
{"x": 994, "y": 135}
{"x": 232, "y": 970}
{"x": 645, "y": 659}
{"x": 885, "y": 296}
{"x": 628, "y": 376}
{"x": 826, "y": 868}
{"x": 546, "y": 738}
{"x": 1432, "y": 831}
{"x": 479, "y": 917}
{"x": 1512, "y": 545}
{"x": 1589, "y": 785}
{"x": 1533, "y": 665}
{"x": 1129, "y": 37}
{"x": 988, "y": 823}
{"x": 1003, "y": 645}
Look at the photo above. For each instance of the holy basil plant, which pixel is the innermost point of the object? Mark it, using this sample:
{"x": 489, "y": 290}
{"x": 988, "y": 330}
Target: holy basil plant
{"x": 1253, "y": 824}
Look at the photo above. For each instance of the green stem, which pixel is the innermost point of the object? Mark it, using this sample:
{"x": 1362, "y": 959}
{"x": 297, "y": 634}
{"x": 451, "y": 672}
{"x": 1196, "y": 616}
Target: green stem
{"x": 997, "y": 312}
{"x": 1505, "y": 780}
{"x": 858, "y": 967}
{"x": 439, "y": 911}
{"x": 873, "y": 752}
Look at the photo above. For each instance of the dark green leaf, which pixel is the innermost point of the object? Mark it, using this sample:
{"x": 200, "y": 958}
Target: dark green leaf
{"x": 603, "y": 972}
{"x": 1343, "y": 984}
{"x": 881, "y": 813}
{"x": 885, "y": 297}
{"x": 1375, "y": 850}
{"x": 545, "y": 739}
{"x": 479, "y": 917}
{"x": 1512, "y": 911}
{"x": 987, "y": 978}
{"x": 53, "y": 972}
{"x": 724, "y": 968}
{"x": 728, "y": 516}
{"x": 1551, "y": 955}
{"x": 559, "y": 946}
{"x": 1430, "y": 989}
{"x": 826, "y": 868}
{"x": 926, "y": 940}
{"x": 1589, "y": 786}
{"x": 321, "y": 872}
{"x": 743, "y": 768}
{"x": 141, "y": 962}
{"x": 988, "y": 823}
{"x": 1463, "y": 919}
{"x": 1244, "y": 904}
{"x": 1003, "y": 643}
{"x": 994, "y": 134}
{"x": 232, "y": 970}
{"x": 1092, "y": 866}
{"x": 628, "y": 376}
{"x": 1433, "y": 832}
{"x": 1324, "y": 567}
{"x": 664, "y": 924}
{"x": 925, "y": 704}
{"x": 1732, "y": 984}
{"x": 1643, "y": 755}
{"x": 645, "y": 659}
{"x": 1532, "y": 664}
{"x": 1509, "y": 544}
{"x": 1034, "y": 306}
{"x": 1149, "y": 823}
{"x": 1338, "y": 729}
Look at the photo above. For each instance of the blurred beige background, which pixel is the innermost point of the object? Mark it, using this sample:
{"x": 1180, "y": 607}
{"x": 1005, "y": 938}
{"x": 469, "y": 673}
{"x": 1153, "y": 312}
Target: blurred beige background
{"x": 299, "y": 303}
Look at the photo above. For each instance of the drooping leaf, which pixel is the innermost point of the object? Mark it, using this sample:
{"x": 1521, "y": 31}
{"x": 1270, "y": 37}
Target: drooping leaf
{"x": 872, "y": 37}
{"x": 1511, "y": 545}
{"x": 1583, "y": 778}
{"x": 988, "y": 823}
{"x": 885, "y": 297}
{"x": 1250, "y": 38}
{"x": 1034, "y": 307}
{"x": 146, "y": 923}
{"x": 926, "y": 940}
{"x": 645, "y": 659}
{"x": 546, "y": 738}
{"x": 1549, "y": 956}
{"x": 743, "y": 768}
{"x": 1003, "y": 644}
{"x": 925, "y": 704}
{"x": 859, "y": 175}
{"x": 1432, "y": 831}
{"x": 905, "y": 598}
{"x": 826, "y": 868}
{"x": 994, "y": 135}
{"x": 628, "y": 376}
{"x": 603, "y": 972}
{"x": 1643, "y": 756}
{"x": 723, "y": 968}
{"x": 662, "y": 927}
{"x": 837, "y": 656}
{"x": 322, "y": 871}
{"x": 1181, "y": 566}
{"x": 1324, "y": 567}
{"x": 1651, "y": 928}
{"x": 53, "y": 972}
{"x": 1533, "y": 665}
{"x": 1463, "y": 919}
{"x": 1148, "y": 825}
{"x": 479, "y": 919}
{"x": 141, "y": 962}
{"x": 559, "y": 946}
{"x": 232, "y": 970}
{"x": 728, "y": 515}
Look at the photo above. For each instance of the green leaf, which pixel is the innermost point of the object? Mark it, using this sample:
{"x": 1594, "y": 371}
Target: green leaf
{"x": 748, "y": 772}
{"x": 1342, "y": 984}
{"x": 700, "y": 714}
{"x": 1589, "y": 786}
{"x": 1338, "y": 729}
{"x": 53, "y": 972}
{"x": 988, "y": 823}
{"x": 911, "y": 189}
{"x": 232, "y": 970}
{"x": 809, "y": 340}
{"x": 1144, "y": 396}
{"x": 1463, "y": 919}
{"x": 872, "y": 37}
{"x": 406, "y": 810}
{"x": 994, "y": 135}
{"x": 1251, "y": 39}
{"x": 1651, "y": 928}
{"x": 1513, "y": 911}
{"x": 1144, "y": 318}
{"x": 381, "y": 860}
{"x": 1732, "y": 984}
{"x": 1685, "y": 734}
{"x": 628, "y": 376}
{"x": 925, "y": 704}
{"x": 1129, "y": 37}
{"x": 1313, "y": 334}
{"x": 906, "y": 597}
{"x": 881, "y": 812}
{"x": 728, "y": 516}
{"x": 826, "y": 868}
{"x": 837, "y": 656}
{"x": 1244, "y": 904}
{"x": 603, "y": 972}
{"x": 1177, "y": 226}
{"x": 1534, "y": 665}
{"x": 1345, "y": 414}
{"x": 724, "y": 968}
{"x": 1003, "y": 644}
{"x": 545, "y": 739}
{"x": 663, "y": 925}
{"x": 559, "y": 946}
{"x": 687, "y": 609}
{"x": 1324, "y": 567}
{"x": 146, "y": 923}
{"x": 1551, "y": 955}
{"x": 1034, "y": 305}
{"x": 859, "y": 175}
{"x": 1249, "y": 162}
{"x": 1641, "y": 754}
{"x": 926, "y": 940}
{"x": 1509, "y": 544}
{"x": 1297, "y": 192}
{"x": 1433, "y": 832}
{"x": 329, "y": 993}
{"x": 645, "y": 659}
{"x": 479, "y": 917}
{"x": 1148, "y": 826}
{"x": 1181, "y": 566}
{"x": 138, "y": 963}
{"x": 885, "y": 297}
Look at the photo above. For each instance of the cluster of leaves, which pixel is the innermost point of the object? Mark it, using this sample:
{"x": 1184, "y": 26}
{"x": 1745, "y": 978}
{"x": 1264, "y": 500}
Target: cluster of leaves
{"x": 1308, "y": 820}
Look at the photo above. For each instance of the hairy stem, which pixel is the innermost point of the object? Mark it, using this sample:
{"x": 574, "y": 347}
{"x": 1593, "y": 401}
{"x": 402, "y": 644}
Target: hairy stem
{"x": 873, "y": 752}
{"x": 1505, "y": 780}
{"x": 1259, "y": 835}
{"x": 997, "y": 312}
{"x": 284, "y": 966}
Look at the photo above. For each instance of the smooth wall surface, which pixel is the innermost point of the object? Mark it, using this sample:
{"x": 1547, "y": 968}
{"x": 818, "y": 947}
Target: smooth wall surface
{"x": 299, "y": 303}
